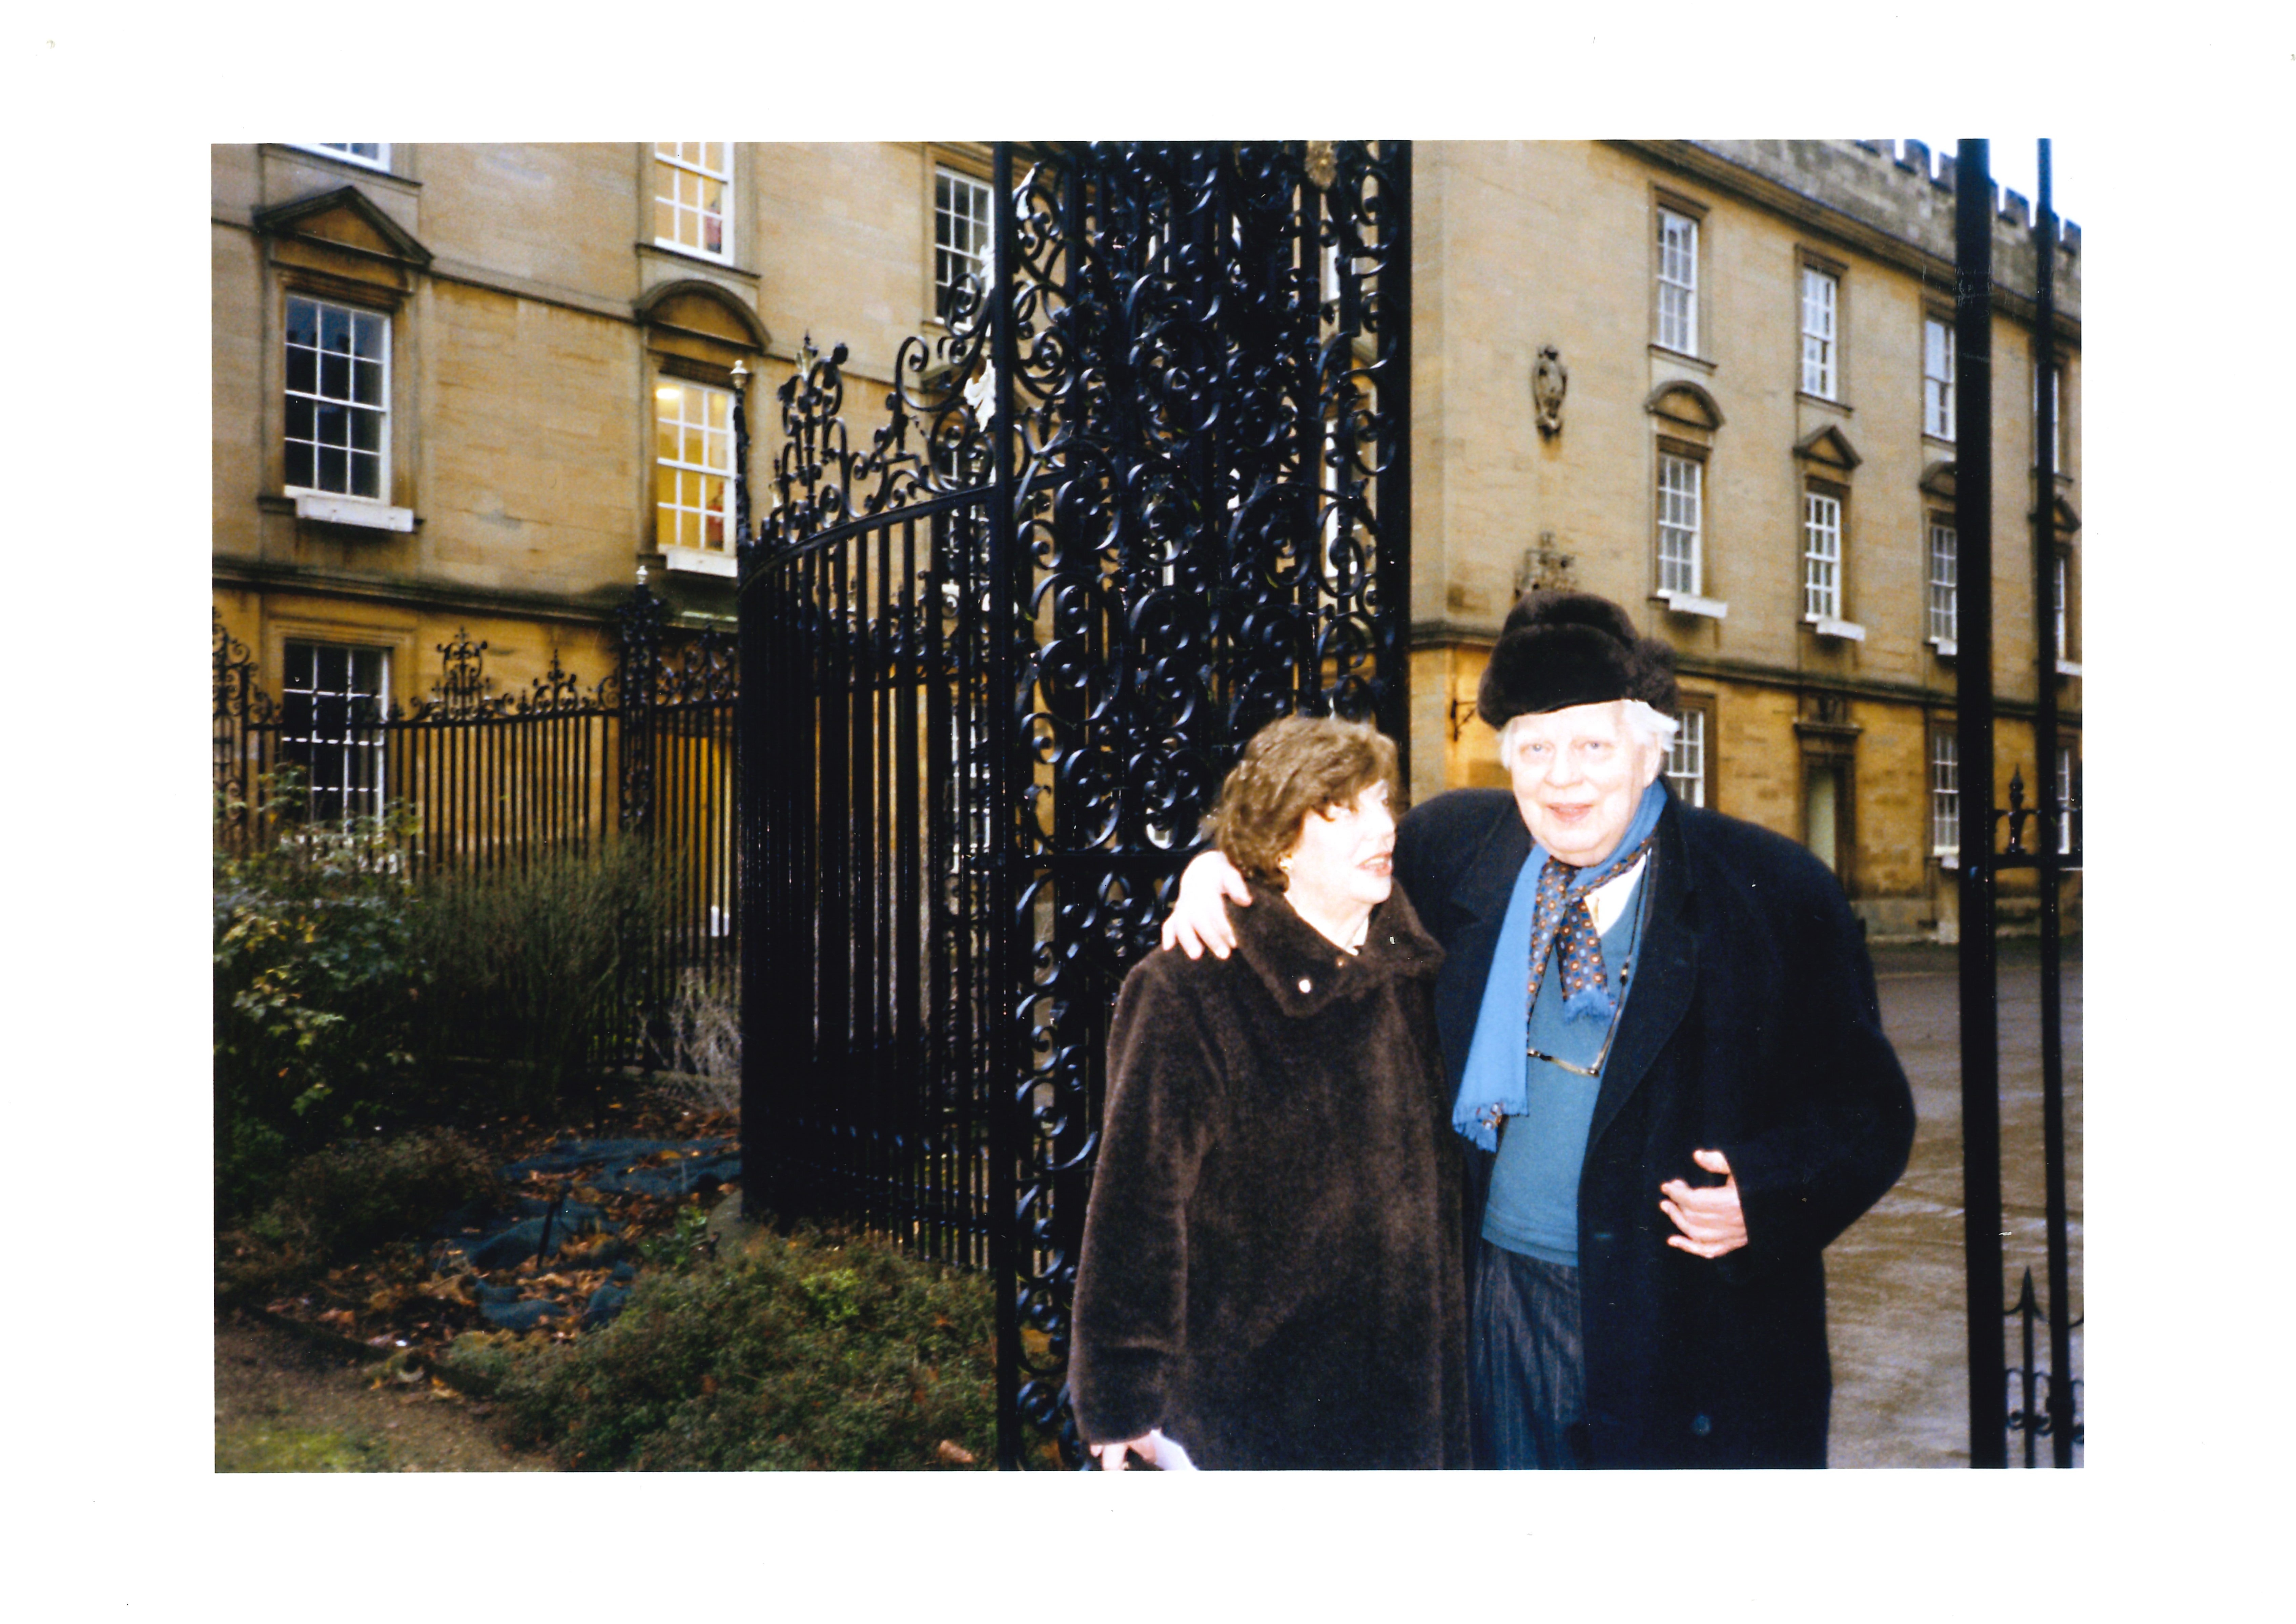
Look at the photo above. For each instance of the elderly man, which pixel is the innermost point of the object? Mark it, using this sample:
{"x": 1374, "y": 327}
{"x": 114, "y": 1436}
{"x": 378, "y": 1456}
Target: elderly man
{"x": 1661, "y": 1032}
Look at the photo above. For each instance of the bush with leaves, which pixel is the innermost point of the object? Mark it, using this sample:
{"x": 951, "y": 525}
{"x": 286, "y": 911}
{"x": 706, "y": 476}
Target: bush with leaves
{"x": 348, "y": 999}
{"x": 348, "y": 1198}
{"x": 814, "y": 1350}
{"x": 316, "y": 982}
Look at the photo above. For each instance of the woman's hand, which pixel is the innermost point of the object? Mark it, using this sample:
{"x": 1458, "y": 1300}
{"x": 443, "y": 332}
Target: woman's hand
{"x": 1197, "y": 920}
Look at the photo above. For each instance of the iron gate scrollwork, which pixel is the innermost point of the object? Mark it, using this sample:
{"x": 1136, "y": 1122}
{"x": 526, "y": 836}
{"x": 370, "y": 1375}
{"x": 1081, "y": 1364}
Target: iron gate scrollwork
{"x": 1150, "y": 490}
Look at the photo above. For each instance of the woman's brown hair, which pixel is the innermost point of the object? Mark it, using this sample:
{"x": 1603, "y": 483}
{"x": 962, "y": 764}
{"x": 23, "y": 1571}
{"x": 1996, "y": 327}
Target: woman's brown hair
{"x": 1293, "y": 766}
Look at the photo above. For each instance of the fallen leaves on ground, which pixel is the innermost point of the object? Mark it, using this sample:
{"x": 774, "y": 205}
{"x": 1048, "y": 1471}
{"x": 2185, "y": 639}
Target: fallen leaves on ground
{"x": 417, "y": 1298}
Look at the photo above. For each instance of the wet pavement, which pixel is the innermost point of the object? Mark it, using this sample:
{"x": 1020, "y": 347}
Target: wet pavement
{"x": 1896, "y": 1282}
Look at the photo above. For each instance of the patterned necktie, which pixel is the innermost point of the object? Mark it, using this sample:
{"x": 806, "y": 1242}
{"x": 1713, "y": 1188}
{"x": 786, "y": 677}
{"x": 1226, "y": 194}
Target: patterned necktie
{"x": 1571, "y": 927}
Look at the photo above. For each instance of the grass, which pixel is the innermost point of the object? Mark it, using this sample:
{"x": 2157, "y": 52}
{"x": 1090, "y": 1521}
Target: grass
{"x": 290, "y": 1449}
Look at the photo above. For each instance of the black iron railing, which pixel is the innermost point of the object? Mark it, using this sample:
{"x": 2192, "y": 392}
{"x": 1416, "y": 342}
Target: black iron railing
{"x": 2054, "y": 856}
{"x": 470, "y": 780}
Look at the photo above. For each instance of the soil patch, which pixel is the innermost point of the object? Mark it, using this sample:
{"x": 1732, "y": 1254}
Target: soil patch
{"x": 284, "y": 1404}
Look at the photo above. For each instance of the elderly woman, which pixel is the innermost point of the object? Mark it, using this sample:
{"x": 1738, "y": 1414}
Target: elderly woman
{"x": 1270, "y": 1269}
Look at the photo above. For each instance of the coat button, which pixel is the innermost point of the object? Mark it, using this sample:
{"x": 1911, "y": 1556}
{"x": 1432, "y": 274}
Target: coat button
{"x": 1305, "y": 985}
{"x": 1701, "y": 1425}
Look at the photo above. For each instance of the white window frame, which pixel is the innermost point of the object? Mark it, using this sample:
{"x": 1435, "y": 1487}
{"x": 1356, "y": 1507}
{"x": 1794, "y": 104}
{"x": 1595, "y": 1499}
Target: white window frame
{"x": 1944, "y": 586}
{"x": 351, "y": 752}
{"x": 1937, "y": 377}
{"x": 1681, "y": 525}
{"x": 956, "y": 195}
{"x": 1821, "y": 350}
{"x": 1821, "y": 556}
{"x": 376, "y": 157}
{"x": 1945, "y": 794}
{"x": 686, "y": 167}
{"x": 319, "y": 401}
{"x": 1686, "y": 758}
{"x": 682, "y": 526}
{"x": 2057, "y": 414}
{"x": 1677, "y": 281}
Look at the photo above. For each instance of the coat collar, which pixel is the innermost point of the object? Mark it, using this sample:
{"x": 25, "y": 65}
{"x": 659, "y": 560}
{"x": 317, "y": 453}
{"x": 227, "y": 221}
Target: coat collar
{"x": 1304, "y": 971}
{"x": 1488, "y": 885}
{"x": 1666, "y": 975}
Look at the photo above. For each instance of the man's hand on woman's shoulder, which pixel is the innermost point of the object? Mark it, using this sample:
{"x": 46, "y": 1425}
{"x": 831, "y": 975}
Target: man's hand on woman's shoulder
{"x": 1199, "y": 921}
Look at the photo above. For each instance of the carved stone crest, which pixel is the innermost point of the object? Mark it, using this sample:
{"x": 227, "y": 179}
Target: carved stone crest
{"x": 1543, "y": 566}
{"x": 1549, "y": 377}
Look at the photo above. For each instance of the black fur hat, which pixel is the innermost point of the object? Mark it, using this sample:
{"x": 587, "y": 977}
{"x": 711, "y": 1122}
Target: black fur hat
{"x": 1564, "y": 648}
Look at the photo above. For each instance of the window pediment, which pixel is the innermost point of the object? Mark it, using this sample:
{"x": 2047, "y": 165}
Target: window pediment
{"x": 345, "y": 218}
{"x": 1829, "y": 447}
{"x": 1938, "y": 480}
{"x": 694, "y": 308}
{"x": 1680, "y": 401}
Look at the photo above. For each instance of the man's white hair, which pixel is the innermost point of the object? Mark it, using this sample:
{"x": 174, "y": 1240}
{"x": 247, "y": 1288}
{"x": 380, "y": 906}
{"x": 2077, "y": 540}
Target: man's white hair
{"x": 1645, "y": 723}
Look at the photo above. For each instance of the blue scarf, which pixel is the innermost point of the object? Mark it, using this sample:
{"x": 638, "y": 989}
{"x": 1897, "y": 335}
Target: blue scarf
{"x": 1495, "y": 1080}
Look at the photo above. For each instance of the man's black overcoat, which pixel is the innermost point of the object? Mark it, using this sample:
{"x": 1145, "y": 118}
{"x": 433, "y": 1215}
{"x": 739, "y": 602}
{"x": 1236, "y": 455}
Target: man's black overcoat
{"x": 1751, "y": 1026}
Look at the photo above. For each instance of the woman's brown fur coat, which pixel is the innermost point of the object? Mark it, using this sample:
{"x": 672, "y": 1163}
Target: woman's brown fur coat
{"x": 1270, "y": 1266}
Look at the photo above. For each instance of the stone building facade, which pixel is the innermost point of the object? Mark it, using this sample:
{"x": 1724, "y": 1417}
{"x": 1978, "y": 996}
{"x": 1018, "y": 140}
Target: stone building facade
{"x": 470, "y": 391}
{"x": 1754, "y": 452}
{"x": 536, "y": 348}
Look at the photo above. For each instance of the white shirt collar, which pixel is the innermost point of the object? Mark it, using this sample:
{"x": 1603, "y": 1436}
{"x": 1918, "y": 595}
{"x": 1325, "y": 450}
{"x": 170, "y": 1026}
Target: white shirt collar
{"x": 1608, "y": 900}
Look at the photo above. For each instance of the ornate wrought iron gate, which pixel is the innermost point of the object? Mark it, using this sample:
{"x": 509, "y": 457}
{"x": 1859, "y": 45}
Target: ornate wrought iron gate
{"x": 1150, "y": 490}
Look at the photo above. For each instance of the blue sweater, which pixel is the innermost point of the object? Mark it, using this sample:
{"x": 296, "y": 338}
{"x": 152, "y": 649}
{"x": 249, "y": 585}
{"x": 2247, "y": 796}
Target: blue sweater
{"x": 1534, "y": 1201}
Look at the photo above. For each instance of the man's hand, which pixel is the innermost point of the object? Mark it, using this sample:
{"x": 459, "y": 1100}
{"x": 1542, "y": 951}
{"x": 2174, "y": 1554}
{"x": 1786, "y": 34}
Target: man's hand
{"x": 1709, "y": 1218}
{"x": 1197, "y": 920}
{"x": 1112, "y": 1455}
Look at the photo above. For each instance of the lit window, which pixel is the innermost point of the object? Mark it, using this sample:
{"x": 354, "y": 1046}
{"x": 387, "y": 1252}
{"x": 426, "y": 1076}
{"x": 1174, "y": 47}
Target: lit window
{"x": 1944, "y": 582}
{"x": 1945, "y": 794}
{"x": 1821, "y": 556}
{"x": 693, "y": 466}
{"x": 338, "y": 387}
{"x": 962, "y": 222}
{"x": 1937, "y": 378}
{"x": 1820, "y": 293}
{"x": 1678, "y": 515}
{"x": 1685, "y": 761}
{"x": 693, "y": 187}
{"x": 331, "y": 710}
{"x": 1677, "y": 281}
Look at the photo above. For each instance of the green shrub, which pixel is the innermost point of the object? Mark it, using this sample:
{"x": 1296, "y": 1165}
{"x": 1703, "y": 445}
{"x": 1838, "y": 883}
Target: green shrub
{"x": 343, "y": 1201}
{"x": 348, "y": 999}
{"x": 315, "y": 985}
{"x": 810, "y": 1351}
{"x": 361, "y": 1194}
{"x": 529, "y": 967}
